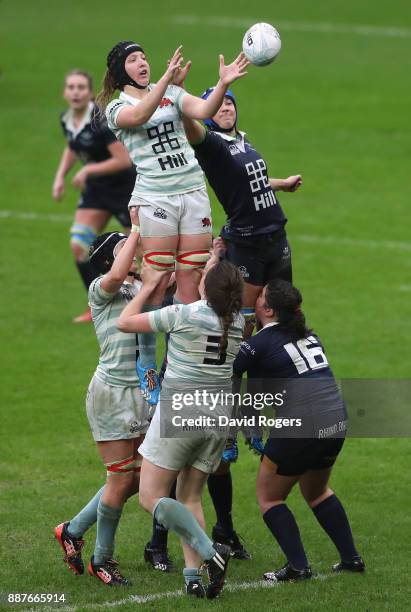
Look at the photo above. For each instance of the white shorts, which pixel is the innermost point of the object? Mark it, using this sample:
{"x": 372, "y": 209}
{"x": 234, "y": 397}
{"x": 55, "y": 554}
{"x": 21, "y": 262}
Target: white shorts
{"x": 115, "y": 413}
{"x": 175, "y": 453}
{"x": 173, "y": 215}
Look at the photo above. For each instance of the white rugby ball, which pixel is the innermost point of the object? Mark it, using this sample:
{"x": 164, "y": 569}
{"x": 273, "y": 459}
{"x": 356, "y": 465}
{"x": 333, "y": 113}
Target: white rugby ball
{"x": 261, "y": 44}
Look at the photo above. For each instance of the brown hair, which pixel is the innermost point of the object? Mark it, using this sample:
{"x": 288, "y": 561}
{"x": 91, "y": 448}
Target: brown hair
{"x": 108, "y": 87}
{"x": 78, "y": 72}
{"x": 285, "y": 300}
{"x": 223, "y": 286}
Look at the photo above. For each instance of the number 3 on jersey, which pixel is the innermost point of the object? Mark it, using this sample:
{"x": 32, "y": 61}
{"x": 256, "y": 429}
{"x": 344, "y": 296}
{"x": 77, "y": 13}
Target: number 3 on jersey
{"x": 307, "y": 354}
{"x": 213, "y": 346}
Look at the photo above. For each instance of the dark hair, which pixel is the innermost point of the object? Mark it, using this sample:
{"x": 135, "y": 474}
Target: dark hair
{"x": 79, "y": 72}
{"x": 223, "y": 286}
{"x": 286, "y": 301}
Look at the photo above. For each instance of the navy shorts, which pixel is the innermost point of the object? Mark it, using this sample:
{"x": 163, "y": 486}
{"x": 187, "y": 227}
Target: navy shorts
{"x": 261, "y": 258}
{"x": 112, "y": 196}
{"x": 294, "y": 456}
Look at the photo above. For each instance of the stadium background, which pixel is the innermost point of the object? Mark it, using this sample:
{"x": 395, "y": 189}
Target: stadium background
{"x": 335, "y": 107}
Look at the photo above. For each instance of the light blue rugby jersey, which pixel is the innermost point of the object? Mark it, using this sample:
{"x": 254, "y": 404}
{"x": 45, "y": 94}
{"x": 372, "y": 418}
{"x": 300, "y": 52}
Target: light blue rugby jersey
{"x": 159, "y": 149}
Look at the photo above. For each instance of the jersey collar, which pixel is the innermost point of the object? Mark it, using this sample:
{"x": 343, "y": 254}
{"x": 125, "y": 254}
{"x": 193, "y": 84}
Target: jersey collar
{"x": 230, "y": 138}
{"x": 68, "y": 119}
{"x": 271, "y": 324}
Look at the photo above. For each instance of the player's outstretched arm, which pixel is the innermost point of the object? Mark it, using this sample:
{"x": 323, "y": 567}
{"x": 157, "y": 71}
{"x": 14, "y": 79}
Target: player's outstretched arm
{"x": 197, "y": 108}
{"x": 133, "y": 116}
{"x": 292, "y": 183}
{"x": 68, "y": 159}
{"x": 132, "y": 319}
{"x": 118, "y": 273}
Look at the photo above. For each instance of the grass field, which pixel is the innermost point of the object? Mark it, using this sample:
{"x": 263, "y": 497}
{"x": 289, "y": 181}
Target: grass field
{"x": 335, "y": 107}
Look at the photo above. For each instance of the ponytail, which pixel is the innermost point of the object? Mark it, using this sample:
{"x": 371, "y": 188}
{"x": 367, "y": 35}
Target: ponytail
{"x": 224, "y": 289}
{"x": 106, "y": 93}
{"x": 285, "y": 300}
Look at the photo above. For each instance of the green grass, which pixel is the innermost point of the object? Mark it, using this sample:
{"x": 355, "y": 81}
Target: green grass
{"x": 335, "y": 107}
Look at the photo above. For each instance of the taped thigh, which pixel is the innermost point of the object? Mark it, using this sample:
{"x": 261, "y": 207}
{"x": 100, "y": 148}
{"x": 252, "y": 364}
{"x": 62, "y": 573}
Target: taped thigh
{"x": 160, "y": 260}
{"x": 83, "y": 236}
{"x": 131, "y": 464}
{"x": 189, "y": 260}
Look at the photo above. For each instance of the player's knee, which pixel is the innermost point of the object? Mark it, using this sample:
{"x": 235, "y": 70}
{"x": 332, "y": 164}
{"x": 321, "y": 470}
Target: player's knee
{"x": 192, "y": 260}
{"x": 163, "y": 260}
{"x": 81, "y": 239}
{"x": 145, "y": 499}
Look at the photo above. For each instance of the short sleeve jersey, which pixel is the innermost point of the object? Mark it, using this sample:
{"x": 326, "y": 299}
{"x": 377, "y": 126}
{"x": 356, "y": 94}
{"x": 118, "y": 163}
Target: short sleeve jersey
{"x": 118, "y": 350}
{"x": 238, "y": 175}
{"x": 90, "y": 141}
{"x": 159, "y": 149}
{"x": 193, "y": 348}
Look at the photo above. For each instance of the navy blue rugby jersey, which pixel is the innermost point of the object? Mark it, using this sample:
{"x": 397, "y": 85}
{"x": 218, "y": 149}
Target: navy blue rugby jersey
{"x": 90, "y": 141}
{"x": 238, "y": 175}
{"x": 277, "y": 361}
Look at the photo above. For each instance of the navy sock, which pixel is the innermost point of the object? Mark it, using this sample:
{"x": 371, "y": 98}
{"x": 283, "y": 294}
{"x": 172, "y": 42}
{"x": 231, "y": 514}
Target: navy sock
{"x": 282, "y": 524}
{"x": 159, "y": 537}
{"x": 220, "y": 488}
{"x": 331, "y": 515}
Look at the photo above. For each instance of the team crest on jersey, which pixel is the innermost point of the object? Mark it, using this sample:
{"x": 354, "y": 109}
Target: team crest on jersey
{"x": 243, "y": 271}
{"x": 166, "y": 102}
{"x": 160, "y": 213}
{"x": 234, "y": 150}
{"x": 206, "y": 222}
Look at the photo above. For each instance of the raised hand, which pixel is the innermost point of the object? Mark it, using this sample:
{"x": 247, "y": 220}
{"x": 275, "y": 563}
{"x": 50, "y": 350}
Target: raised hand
{"x": 234, "y": 71}
{"x": 181, "y": 73}
{"x": 174, "y": 64}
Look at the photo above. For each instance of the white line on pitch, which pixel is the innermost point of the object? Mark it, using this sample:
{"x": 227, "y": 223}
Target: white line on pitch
{"x": 142, "y": 599}
{"x": 354, "y": 242}
{"x": 297, "y": 26}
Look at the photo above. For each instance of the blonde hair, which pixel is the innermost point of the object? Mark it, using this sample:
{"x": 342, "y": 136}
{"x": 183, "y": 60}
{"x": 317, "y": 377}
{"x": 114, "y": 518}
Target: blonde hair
{"x": 79, "y": 72}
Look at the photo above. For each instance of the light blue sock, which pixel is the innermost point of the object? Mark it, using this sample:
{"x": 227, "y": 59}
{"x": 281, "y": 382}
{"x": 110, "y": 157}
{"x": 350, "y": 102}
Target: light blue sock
{"x": 191, "y": 573}
{"x": 147, "y": 344}
{"x": 174, "y": 515}
{"x": 107, "y": 522}
{"x": 86, "y": 517}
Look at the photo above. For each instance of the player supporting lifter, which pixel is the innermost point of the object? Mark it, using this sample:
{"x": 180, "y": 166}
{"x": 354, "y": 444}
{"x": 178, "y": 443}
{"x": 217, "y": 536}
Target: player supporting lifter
{"x": 286, "y": 355}
{"x": 204, "y": 340}
{"x": 117, "y": 412}
{"x": 174, "y": 210}
{"x": 106, "y": 179}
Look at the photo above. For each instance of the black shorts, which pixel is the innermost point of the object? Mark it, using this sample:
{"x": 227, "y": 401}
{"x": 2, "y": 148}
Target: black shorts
{"x": 261, "y": 258}
{"x": 294, "y": 456}
{"x": 112, "y": 197}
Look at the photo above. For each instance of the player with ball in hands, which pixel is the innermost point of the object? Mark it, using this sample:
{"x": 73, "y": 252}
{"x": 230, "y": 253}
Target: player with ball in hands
{"x": 170, "y": 192}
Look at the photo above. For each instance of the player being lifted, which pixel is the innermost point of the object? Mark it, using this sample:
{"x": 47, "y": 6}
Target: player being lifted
{"x": 174, "y": 210}
{"x": 255, "y": 240}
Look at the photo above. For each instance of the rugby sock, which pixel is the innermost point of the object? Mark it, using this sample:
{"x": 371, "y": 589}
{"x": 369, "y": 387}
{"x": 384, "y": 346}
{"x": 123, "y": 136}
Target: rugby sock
{"x": 190, "y": 574}
{"x": 282, "y": 524}
{"x": 86, "y": 517}
{"x": 174, "y": 515}
{"x": 147, "y": 343}
{"x": 220, "y": 488}
{"x": 87, "y": 272}
{"x": 331, "y": 515}
{"x": 107, "y": 522}
{"x": 159, "y": 537}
